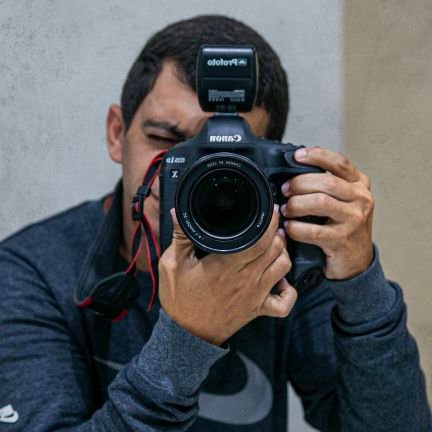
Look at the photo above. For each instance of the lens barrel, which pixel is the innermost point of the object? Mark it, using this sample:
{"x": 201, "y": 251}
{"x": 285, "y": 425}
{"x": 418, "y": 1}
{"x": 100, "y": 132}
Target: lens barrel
{"x": 224, "y": 203}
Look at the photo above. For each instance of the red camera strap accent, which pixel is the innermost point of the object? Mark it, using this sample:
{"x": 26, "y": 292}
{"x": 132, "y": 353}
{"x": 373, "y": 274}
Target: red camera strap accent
{"x": 106, "y": 205}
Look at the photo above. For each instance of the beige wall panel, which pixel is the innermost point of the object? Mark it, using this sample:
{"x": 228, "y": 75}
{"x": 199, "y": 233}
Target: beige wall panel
{"x": 388, "y": 106}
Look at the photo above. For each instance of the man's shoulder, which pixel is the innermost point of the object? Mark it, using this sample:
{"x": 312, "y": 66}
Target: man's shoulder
{"x": 66, "y": 233}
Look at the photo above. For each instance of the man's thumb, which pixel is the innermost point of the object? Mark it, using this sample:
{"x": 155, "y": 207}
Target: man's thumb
{"x": 179, "y": 239}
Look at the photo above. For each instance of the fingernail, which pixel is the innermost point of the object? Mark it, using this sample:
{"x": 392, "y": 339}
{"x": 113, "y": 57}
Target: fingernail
{"x": 285, "y": 188}
{"x": 281, "y": 232}
{"x": 276, "y": 208}
{"x": 301, "y": 154}
{"x": 285, "y": 224}
{"x": 283, "y": 208}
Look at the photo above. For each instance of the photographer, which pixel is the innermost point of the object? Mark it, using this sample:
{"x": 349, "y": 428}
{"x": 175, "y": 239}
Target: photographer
{"x": 215, "y": 334}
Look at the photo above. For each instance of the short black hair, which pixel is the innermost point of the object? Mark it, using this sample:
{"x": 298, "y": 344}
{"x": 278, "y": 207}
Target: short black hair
{"x": 179, "y": 42}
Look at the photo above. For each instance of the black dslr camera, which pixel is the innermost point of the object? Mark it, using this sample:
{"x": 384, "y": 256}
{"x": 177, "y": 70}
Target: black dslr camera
{"x": 224, "y": 181}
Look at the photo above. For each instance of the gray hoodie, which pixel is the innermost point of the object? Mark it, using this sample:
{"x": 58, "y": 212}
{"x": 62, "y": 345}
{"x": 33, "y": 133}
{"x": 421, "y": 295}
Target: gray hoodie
{"x": 345, "y": 348}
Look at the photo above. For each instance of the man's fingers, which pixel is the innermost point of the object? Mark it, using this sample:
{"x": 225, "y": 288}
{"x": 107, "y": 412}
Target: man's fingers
{"x": 180, "y": 242}
{"x": 328, "y": 160}
{"x": 280, "y": 305}
{"x": 327, "y": 183}
{"x": 275, "y": 271}
{"x": 271, "y": 254}
{"x": 317, "y": 204}
{"x": 305, "y": 232}
{"x": 281, "y": 233}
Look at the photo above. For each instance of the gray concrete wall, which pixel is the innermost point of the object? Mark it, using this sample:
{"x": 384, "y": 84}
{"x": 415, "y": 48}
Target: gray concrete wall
{"x": 63, "y": 63}
{"x": 388, "y": 105}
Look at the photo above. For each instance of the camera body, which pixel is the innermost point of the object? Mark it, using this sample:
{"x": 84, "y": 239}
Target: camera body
{"x": 224, "y": 181}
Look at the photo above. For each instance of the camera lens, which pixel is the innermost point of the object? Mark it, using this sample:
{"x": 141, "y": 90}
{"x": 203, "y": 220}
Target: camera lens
{"x": 224, "y": 203}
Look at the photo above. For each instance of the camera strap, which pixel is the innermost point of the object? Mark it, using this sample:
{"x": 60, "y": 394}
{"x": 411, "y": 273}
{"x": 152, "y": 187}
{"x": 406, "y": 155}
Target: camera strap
{"x": 143, "y": 228}
{"x": 114, "y": 295}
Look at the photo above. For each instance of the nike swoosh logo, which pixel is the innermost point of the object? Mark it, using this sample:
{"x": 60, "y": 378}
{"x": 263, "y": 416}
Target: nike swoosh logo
{"x": 248, "y": 406}
{"x": 110, "y": 364}
{"x": 8, "y": 414}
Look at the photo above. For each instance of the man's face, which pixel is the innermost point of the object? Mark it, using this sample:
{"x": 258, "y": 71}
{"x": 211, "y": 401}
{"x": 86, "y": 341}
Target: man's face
{"x": 169, "y": 114}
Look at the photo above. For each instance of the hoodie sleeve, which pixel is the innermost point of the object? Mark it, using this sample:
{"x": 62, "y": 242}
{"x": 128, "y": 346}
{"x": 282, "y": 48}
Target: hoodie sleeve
{"x": 352, "y": 359}
{"x": 46, "y": 382}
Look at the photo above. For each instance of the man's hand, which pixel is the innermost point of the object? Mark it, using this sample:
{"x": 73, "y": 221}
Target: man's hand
{"x": 217, "y": 295}
{"x": 343, "y": 196}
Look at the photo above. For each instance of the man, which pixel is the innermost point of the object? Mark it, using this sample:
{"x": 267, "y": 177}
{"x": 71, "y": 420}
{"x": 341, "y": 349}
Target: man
{"x": 217, "y": 335}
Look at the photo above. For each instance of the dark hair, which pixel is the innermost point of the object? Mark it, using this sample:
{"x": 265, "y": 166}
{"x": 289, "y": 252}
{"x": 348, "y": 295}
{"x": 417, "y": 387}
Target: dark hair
{"x": 180, "y": 42}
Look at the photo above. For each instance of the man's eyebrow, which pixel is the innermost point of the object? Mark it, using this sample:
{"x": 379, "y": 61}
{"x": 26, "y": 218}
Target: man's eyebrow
{"x": 166, "y": 126}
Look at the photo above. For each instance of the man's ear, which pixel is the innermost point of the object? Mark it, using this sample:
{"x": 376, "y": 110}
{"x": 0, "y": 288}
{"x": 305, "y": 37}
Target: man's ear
{"x": 115, "y": 131}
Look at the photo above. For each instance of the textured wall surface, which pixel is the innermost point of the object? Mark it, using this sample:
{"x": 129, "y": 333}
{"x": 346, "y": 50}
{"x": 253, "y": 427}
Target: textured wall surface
{"x": 388, "y": 71}
{"x": 63, "y": 63}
